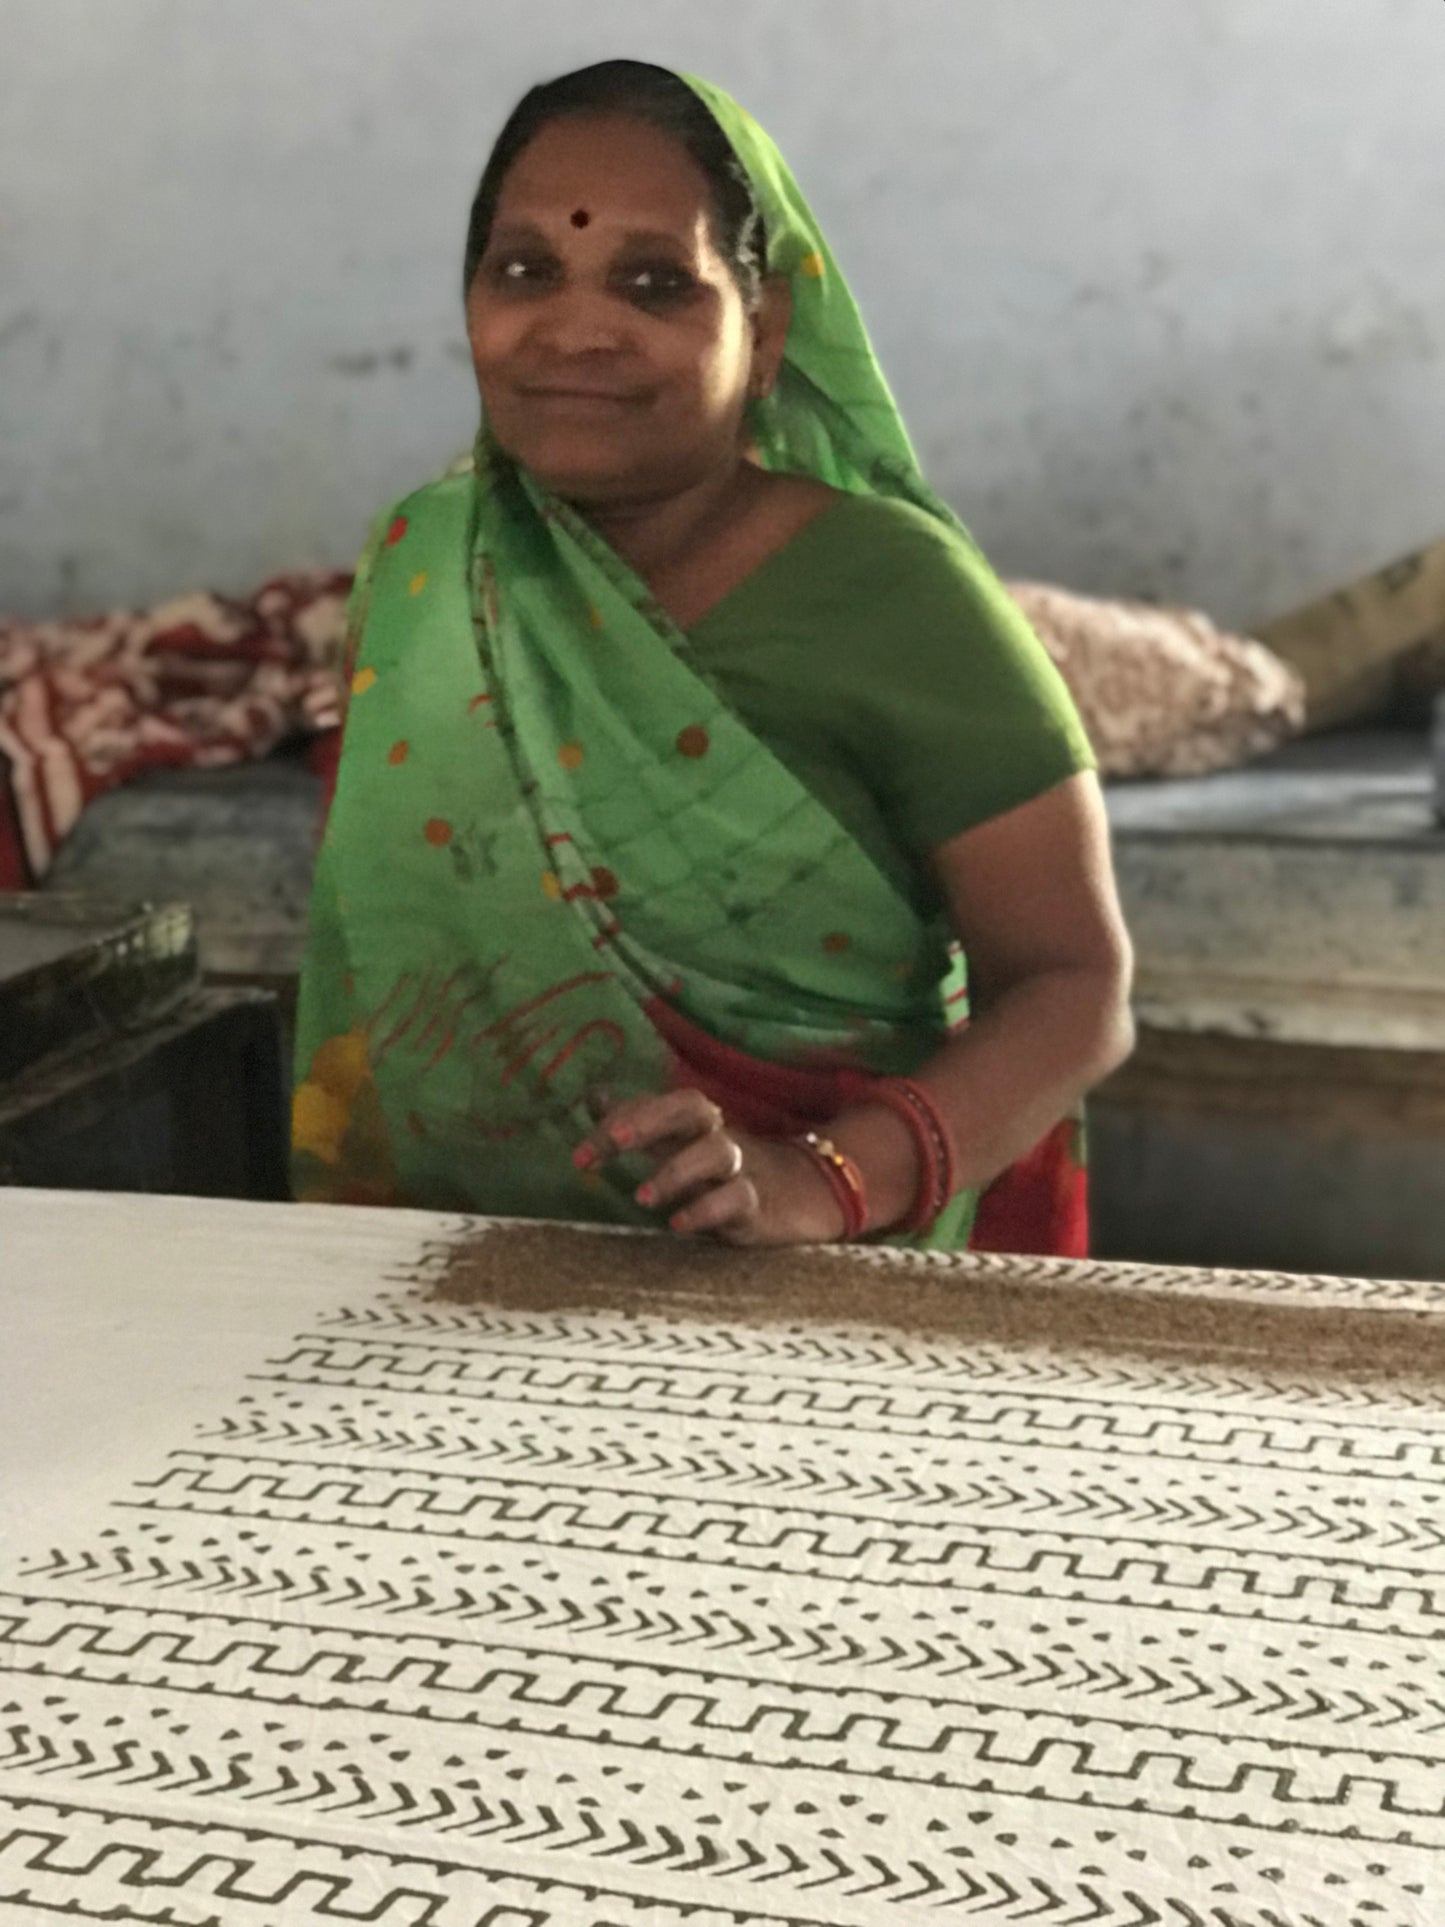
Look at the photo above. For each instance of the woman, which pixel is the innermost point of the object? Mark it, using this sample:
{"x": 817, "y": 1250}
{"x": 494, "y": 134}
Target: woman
{"x": 690, "y": 747}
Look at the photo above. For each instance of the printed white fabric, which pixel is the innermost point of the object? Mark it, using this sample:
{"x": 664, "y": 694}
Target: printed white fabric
{"x": 326, "y": 1601}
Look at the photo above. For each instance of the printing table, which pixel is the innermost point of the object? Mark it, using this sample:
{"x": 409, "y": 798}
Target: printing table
{"x": 980, "y": 1589}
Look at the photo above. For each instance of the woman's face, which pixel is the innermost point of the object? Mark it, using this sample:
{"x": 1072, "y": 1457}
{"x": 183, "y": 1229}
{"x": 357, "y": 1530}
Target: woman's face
{"x": 612, "y": 345}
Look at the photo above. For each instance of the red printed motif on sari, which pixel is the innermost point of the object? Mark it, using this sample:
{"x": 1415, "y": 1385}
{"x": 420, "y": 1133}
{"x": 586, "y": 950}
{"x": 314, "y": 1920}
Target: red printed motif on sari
{"x": 421, "y": 1017}
{"x": 441, "y": 1005}
{"x": 419, "y": 1023}
{"x": 518, "y": 1039}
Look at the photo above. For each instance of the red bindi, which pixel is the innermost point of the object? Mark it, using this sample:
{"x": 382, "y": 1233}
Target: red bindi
{"x": 581, "y": 218}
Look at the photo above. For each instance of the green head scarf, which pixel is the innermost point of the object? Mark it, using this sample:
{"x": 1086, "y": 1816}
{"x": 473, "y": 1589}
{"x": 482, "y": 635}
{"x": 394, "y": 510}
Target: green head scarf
{"x": 831, "y": 415}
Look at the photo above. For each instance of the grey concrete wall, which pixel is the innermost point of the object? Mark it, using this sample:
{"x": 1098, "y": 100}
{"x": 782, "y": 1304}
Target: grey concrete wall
{"x": 1160, "y": 286}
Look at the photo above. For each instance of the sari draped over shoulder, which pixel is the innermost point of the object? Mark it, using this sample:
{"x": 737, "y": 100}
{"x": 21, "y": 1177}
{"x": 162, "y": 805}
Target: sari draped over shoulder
{"x": 559, "y": 870}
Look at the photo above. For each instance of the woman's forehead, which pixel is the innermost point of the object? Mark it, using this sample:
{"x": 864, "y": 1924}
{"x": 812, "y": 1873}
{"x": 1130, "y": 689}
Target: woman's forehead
{"x": 619, "y": 173}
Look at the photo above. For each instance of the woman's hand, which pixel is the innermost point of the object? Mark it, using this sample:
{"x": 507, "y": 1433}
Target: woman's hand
{"x": 709, "y": 1178}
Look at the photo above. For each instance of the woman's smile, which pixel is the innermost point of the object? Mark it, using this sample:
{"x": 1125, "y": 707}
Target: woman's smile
{"x": 582, "y": 398}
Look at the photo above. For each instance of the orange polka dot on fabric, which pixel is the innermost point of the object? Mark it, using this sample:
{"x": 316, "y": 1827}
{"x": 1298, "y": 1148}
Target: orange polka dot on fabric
{"x": 397, "y": 530}
{"x": 693, "y": 741}
{"x": 398, "y": 753}
{"x": 362, "y": 681}
{"x": 418, "y": 582}
{"x": 836, "y": 942}
{"x": 552, "y": 885}
{"x": 570, "y": 755}
{"x": 438, "y": 832}
{"x": 814, "y": 266}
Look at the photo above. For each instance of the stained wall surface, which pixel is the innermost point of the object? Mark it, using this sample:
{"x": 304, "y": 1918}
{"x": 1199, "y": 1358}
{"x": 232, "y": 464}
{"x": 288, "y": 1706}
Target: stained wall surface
{"x": 1159, "y": 287}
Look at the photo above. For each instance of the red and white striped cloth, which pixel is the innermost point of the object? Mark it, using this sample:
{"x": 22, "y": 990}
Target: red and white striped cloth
{"x": 198, "y": 682}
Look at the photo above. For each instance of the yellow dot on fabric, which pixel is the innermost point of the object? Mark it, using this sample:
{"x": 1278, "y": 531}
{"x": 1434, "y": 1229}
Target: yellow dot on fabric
{"x": 362, "y": 681}
{"x": 340, "y": 1066}
{"x": 418, "y": 582}
{"x": 814, "y": 266}
{"x": 570, "y": 756}
{"x": 318, "y": 1122}
{"x": 552, "y": 885}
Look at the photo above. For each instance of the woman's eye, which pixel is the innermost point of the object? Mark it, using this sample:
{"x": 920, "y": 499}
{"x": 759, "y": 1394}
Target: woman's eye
{"x": 658, "y": 283}
{"x": 519, "y": 271}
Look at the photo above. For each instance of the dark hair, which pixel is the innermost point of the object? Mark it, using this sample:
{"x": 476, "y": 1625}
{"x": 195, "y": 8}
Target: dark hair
{"x": 634, "y": 90}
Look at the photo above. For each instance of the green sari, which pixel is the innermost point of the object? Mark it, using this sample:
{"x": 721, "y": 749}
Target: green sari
{"x": 558, "y": 864}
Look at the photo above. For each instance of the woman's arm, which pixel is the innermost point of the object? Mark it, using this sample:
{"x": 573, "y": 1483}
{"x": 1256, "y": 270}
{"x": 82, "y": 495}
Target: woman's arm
{"x": 1032, "y": 899}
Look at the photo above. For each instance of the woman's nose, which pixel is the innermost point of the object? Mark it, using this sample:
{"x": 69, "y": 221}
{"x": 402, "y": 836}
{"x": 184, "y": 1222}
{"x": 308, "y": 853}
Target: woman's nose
{"x": 581, "y": 320}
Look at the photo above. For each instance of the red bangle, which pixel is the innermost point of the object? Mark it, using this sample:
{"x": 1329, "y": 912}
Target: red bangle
{"x": 845, "y": 1179}
{"x": 933, "y": 1140}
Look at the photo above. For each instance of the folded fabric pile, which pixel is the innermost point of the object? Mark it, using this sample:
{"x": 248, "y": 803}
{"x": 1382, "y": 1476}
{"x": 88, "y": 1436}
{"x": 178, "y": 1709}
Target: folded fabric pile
{"x": 198, "y": 682}
{"x": 205, "y": 680}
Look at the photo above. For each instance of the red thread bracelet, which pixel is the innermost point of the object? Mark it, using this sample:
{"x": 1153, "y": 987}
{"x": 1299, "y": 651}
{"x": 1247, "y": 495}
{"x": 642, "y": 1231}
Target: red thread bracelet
{"x": 844, "y": 1179}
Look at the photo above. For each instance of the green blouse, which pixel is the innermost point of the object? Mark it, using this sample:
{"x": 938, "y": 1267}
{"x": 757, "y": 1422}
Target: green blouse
{"x": 882, "y": 661}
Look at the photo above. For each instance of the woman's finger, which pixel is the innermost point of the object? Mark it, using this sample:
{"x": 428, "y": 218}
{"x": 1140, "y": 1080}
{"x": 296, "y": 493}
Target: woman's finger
{"x": 643, "y": 1122}
{"x": 707, "y": 1161}
{"x": 727, "y": 1210}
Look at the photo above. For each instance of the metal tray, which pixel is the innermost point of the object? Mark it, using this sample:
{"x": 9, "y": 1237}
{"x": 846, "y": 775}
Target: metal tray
{"x": 74, "y": 969}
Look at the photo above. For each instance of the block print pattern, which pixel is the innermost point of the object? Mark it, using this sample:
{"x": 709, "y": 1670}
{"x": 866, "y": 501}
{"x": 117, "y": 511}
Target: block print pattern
{"x": 581, "y": 1619}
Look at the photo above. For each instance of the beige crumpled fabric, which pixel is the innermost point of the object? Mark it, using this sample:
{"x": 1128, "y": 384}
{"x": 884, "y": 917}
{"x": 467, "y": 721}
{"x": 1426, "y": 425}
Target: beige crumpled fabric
{"x": 1163, "y": 692}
